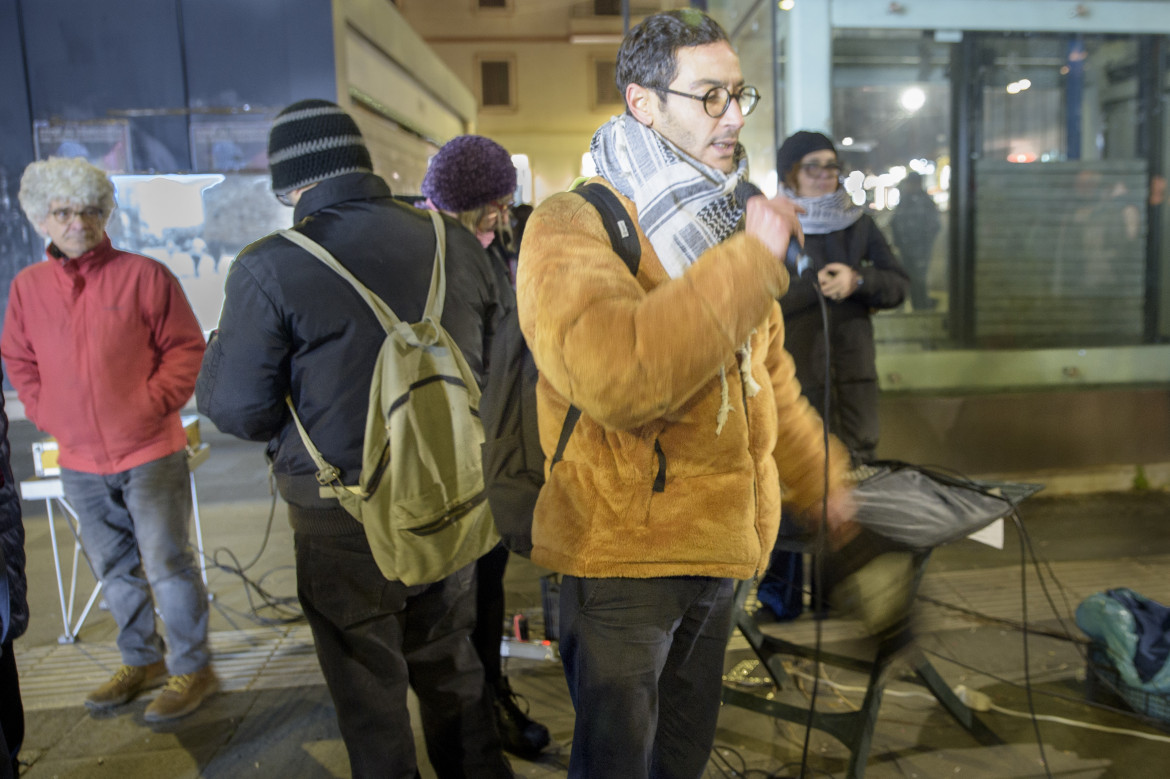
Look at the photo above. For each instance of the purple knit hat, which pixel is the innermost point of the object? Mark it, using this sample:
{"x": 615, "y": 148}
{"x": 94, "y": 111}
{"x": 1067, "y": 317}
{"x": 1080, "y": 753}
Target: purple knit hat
{"x": 468, "y": 172}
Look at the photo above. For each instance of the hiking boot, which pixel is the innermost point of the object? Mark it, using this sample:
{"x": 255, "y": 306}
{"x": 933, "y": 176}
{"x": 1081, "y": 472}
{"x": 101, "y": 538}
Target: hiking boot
{"x": 182, "y": 695}
{"x": 128, "y": 681}
{"x": 519, "y": 734}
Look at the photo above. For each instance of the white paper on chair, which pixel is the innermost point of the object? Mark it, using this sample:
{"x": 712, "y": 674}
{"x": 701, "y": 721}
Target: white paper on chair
{"x": 992, "y": 535}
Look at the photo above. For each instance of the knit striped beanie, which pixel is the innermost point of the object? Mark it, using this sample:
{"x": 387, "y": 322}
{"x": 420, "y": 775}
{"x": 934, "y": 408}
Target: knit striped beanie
{"x": 313, "y": 140}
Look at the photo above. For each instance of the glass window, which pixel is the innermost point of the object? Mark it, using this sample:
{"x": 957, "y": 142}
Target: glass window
{"x": 496, "y": 83}
{"x": 1061, "y": 195}
{"x": 755, "y": 41}
{"x": 891, "y": 122}
{"x": 605, "y": 83}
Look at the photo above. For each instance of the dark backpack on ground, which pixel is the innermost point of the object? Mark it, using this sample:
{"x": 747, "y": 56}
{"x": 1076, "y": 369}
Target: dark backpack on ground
{"x": 513, "y": 463}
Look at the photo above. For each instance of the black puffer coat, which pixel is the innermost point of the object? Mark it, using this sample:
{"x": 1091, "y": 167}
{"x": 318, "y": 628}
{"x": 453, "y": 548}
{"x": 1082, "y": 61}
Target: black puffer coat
{"x": 853, "y": 413}
{"x": 11, "y": 539}
{"x": 290, "y": 324}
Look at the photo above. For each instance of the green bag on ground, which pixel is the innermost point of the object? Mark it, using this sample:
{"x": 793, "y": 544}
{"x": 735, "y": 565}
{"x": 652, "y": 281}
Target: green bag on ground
{"x": 420, "y": 495}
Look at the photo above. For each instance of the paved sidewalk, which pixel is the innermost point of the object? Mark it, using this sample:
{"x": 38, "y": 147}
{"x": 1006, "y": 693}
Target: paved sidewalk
{"x": 274, "y": 717}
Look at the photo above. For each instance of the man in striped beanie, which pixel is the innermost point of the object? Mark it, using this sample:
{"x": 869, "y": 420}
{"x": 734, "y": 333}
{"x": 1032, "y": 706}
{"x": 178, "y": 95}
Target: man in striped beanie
{"x": 311, "y": 141}
{"x": 291, "y": 326}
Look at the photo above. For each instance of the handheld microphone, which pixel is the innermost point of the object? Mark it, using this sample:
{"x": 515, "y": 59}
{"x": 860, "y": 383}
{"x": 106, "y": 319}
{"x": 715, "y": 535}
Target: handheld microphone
{"x": 797, "y": 261}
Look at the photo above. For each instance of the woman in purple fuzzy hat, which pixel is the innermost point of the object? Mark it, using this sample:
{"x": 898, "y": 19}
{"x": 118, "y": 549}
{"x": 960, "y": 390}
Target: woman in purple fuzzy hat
{"x": 472, "y": 178}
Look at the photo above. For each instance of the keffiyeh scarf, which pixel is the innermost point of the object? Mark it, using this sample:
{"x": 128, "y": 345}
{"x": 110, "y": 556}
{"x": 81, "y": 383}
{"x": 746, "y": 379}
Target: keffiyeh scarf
{"x": 684, "y": 207}
{"x": 825, "y": 213}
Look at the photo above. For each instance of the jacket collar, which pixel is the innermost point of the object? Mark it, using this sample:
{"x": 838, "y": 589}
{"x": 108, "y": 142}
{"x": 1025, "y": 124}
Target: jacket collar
{"x": 99, "y": 253}
{"x": 331, "y": 191}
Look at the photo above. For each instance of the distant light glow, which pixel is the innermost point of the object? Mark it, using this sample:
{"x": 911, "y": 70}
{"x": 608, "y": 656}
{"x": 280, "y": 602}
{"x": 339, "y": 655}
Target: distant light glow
{"x": 847, "y": 140}
{"x": 787, "y": 5}
{"x": 913, "y": 98}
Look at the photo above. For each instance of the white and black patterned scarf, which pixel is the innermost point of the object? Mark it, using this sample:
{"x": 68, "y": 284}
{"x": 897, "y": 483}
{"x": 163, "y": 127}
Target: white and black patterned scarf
{"x": 684, "y": 206}
{"x": 825, "y": 213}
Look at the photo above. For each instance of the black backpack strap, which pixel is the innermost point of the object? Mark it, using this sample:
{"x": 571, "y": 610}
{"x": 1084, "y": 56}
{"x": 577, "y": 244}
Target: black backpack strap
{"x": 622, "y": 234}
{"x": 624, "y": 239}
{"x": 571, "y": 417}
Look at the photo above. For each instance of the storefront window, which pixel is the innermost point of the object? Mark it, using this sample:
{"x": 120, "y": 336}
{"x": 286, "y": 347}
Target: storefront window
{"x": 1054, "y": 243}
{"x": 1061, "y": 194}
{"x": 891, "y": 123}
{"x": 760, "y": 48}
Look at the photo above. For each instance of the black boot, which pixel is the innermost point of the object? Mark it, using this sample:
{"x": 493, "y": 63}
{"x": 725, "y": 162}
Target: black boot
{"x": 519, "y": 734}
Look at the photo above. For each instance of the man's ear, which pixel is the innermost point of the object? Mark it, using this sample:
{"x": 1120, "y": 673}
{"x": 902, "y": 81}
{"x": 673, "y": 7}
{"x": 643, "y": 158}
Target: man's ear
{"x": 638, "y": 100}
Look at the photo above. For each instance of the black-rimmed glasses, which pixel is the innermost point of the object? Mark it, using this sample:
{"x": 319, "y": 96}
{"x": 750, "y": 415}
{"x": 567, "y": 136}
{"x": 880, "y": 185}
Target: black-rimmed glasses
{"x": 717, "y": 100}
{"x": 813, "y": 169}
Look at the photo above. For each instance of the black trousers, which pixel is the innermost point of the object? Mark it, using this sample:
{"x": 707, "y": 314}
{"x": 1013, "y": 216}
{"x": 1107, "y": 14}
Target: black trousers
{"x": 11, "y": 712}
{"x": 374, "y": 639}
{"x": 489, "y": 625}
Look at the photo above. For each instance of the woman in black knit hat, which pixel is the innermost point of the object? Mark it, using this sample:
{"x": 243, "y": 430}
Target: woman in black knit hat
{"x": 855, "y": 271}
{"x": 472, "y": 178}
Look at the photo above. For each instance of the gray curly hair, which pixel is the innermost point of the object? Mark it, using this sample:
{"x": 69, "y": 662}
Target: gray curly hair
{"x": 69, "y": 181}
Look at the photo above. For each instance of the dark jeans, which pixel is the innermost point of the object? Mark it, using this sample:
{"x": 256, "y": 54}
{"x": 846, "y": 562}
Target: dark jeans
{"x": 135, "y": 526}
{"x": 375, "y": 638}
{"x": 644, "y": 662}
{"x": 11, "y": 712}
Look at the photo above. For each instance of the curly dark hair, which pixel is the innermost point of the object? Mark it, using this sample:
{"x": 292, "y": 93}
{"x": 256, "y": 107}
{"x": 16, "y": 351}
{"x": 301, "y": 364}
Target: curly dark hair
{"x": 648, "y": 53}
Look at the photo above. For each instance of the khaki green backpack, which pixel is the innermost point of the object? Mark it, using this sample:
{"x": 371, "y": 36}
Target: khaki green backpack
{"x": 420, "y": 494}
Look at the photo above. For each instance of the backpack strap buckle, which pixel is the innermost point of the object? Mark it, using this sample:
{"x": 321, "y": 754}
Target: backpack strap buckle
{"x": 328, "y": 475}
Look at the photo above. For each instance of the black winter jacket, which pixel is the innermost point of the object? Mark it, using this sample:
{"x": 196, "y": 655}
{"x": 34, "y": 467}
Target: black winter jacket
{"x": 11, "y": 540}
{"x": 884, "y": 283}
{"x": 290, "y": 324}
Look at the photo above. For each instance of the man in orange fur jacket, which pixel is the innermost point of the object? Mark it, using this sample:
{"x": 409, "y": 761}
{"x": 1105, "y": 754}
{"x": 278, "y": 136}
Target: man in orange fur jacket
{"x": 669, "y": 489}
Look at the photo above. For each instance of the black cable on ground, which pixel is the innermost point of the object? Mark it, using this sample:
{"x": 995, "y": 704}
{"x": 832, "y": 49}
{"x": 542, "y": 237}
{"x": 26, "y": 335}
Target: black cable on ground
{"x": 1027, "y": 664}
{"x": 1026, "y": 539}
{"x": 290, "y": 605}
{"x": 993, "y": 620}
{"x": 822, "y": 536}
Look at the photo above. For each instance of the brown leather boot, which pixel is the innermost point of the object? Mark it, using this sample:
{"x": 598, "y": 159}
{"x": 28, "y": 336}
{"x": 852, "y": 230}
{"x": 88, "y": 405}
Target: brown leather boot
{"x": 128, "y": 681}
{"x": 182, "y": 695}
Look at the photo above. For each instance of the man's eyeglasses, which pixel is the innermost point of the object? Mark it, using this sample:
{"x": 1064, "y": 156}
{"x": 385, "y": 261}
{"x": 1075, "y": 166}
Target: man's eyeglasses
{"x": 65, "y": 215}
{"x": 813, "y": 169}
{"x": 717, "y": 100}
